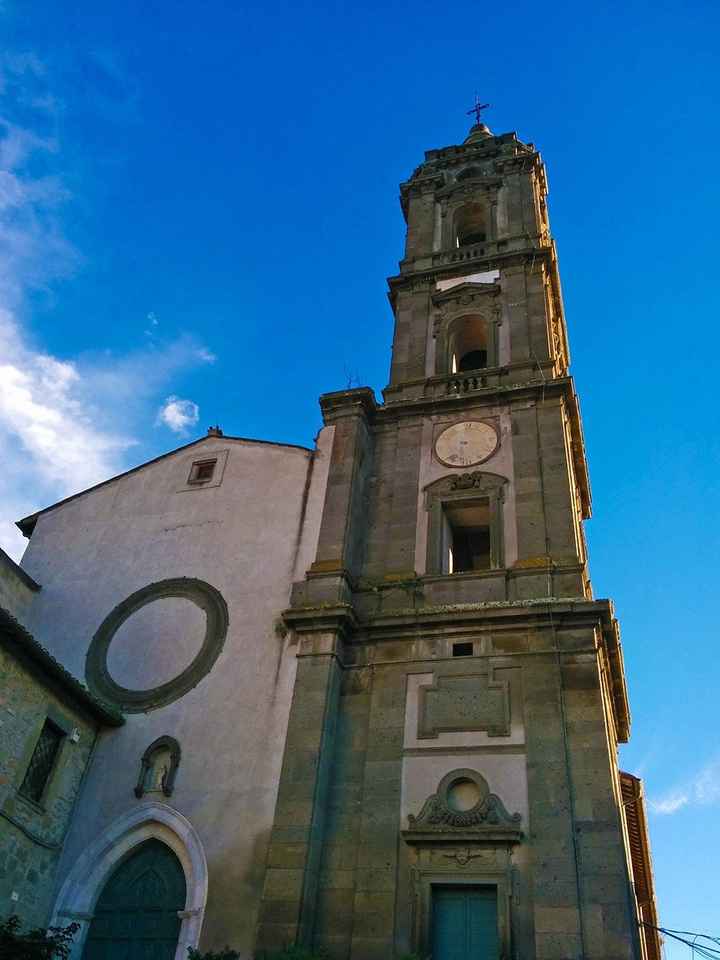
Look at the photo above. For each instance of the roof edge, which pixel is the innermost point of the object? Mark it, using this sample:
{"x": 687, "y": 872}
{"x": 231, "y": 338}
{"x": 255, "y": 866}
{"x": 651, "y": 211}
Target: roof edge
{"x": 17, "y": 571}
{"x": 26, "y": 525}
{"x": 20, "y": 641}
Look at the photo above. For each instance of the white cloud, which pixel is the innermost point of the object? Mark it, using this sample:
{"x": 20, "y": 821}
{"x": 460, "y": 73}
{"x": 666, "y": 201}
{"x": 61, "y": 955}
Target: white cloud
{"x": 701, "y": 790}
{"x": 65, "y": 424}
{"x": 178, "y": 414}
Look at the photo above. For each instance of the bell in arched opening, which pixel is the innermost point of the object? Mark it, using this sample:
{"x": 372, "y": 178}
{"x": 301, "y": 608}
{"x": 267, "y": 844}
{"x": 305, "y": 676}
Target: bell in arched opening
{"x": 471, "y": 224}
{"x": 472, "y": 360}
{"x": 468, "y": 343}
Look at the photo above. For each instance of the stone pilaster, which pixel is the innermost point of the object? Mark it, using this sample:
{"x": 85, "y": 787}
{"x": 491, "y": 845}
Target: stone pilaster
{"x": 288, "y": 906}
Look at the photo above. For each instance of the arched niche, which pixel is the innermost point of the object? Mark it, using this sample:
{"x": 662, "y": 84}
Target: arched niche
{"x": 158, "y": 767}
{"x": 99, "y": 860}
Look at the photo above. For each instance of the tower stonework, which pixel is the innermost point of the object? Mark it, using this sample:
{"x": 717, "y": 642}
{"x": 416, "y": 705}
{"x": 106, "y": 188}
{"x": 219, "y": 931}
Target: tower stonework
{"x": 451, "y": 749}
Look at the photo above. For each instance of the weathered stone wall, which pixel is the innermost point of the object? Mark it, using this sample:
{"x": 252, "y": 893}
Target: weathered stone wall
{"x": 31, "y": 835}
{"x": 565, "y": 880}
{"x": 555, "y": 855}
{"x": 17, "y": 589}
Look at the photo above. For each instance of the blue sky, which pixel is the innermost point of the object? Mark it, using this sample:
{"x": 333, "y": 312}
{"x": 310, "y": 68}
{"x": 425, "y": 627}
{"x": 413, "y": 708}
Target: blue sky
{"x": 199, "y": 209}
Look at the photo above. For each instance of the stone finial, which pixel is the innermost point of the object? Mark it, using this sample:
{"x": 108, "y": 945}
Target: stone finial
{"x": 215, "y": 431}
{"x": 477, "y": 133}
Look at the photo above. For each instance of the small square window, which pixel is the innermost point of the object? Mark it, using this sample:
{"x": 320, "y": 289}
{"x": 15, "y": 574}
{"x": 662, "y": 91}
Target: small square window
{"x": 42, "y": 762}
{"x": 462, "y": 649}
{"x": 202, "y": 471}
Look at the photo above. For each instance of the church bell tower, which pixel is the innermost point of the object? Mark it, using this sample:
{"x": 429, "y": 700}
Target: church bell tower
{"x": 450, "y": 784}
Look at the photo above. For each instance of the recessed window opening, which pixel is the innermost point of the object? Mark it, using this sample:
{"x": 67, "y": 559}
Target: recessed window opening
{"x": 467, "y": 537}
{"x": 202, "y": 471}
{"x": 468, "y": 345}
{"x": 464, "y": 649}
{"x": 470, "y": 225}
{"x": 42, "y": 762}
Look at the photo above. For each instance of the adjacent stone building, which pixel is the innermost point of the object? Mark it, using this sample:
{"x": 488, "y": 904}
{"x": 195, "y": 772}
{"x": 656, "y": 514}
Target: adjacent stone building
{"x": 372, "y": 705}
{"x": 48, "y": 727}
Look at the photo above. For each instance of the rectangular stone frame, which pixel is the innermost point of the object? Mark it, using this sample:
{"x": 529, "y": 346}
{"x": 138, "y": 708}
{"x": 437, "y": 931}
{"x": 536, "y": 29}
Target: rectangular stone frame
{"x": 61, "y": 721}
{"x": 424, "y": 879}
{"x": 499, "y": 729}
{"x": 436, "y": 509}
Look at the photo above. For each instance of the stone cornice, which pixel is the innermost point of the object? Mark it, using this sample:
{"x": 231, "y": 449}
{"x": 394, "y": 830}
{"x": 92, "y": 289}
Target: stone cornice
{"x": 470, "y": 185}
{"x": 554, "y": 614}
{"x": 558, "y": 386}
{"x": 361, "y": 402}
{"x": 348, "y": 403}
{"x": 489, "y": 836}
{"x": 322, "y": 618}
{"x": 468, "y": 288}
{"x": 429, "y": 275}
{"x": 509, "y": 393}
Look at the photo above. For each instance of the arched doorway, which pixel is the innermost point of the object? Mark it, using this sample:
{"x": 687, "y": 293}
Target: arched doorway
{"x": 136, "y": 915}
{"x": 120, "y": 839}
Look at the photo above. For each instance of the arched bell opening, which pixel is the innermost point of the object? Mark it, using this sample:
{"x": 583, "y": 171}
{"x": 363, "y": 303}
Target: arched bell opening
{"x": 471, "y": 224}
{"x": 468, "y": 345}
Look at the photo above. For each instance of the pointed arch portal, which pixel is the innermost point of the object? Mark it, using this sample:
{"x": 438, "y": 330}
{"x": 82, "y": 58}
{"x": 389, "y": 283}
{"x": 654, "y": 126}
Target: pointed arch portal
{"x": 137, "y": 915}
{"x": 150, "y": 843}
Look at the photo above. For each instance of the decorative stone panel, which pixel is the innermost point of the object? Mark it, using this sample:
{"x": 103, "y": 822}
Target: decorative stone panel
{"x": 468, "y": 703}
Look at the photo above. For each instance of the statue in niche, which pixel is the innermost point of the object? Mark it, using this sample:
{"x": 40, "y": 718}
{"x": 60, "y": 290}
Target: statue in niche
{"x": 158, "y": 768}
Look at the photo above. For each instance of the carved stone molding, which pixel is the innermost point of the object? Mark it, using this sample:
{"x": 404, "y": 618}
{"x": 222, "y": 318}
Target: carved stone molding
{"x": 463, "y": 856}
{"x": 440, "y": 821}
{"x": 478, "y": 481}
{"x": 97, "y": 673}
{"x": 468, "y": 481}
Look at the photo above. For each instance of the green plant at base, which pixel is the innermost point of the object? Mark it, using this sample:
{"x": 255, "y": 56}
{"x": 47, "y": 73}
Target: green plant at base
{"x": 287, "y": 953}
{"x": 226, "y": 954}
{"x": 53, "y": 943}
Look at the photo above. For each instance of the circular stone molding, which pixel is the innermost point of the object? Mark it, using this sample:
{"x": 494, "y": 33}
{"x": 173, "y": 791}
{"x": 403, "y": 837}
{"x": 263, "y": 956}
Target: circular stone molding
{"x": 98, "y": 676}
{"x": 461, "y": 777}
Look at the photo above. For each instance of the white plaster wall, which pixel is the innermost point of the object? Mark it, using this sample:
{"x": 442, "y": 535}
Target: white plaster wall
{"x": 246, "y": 537}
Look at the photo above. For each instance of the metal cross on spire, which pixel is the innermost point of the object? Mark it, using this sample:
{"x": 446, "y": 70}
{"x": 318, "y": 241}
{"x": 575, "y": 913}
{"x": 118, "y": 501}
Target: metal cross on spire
{"x": 478, "y": 109}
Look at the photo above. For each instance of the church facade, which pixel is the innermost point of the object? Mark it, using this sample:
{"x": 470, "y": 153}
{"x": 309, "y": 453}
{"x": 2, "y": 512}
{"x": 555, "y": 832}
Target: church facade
{"x": 371, "y": 704}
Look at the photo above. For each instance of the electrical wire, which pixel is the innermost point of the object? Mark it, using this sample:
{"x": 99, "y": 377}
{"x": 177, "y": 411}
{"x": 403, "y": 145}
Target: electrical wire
{"x": 697, "y": 949}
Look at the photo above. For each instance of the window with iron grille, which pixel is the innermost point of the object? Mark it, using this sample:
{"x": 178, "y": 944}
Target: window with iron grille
{"x": 42, "y": 762}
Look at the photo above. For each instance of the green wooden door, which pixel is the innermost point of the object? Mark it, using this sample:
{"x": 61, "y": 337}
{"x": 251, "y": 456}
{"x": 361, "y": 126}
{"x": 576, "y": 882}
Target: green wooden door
{"x": 136, "y": 915}
{"x": 464, "y": 923}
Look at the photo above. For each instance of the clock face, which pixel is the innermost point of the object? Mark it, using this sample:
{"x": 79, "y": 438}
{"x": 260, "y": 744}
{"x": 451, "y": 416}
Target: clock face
{"x": 465, "y": 444}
